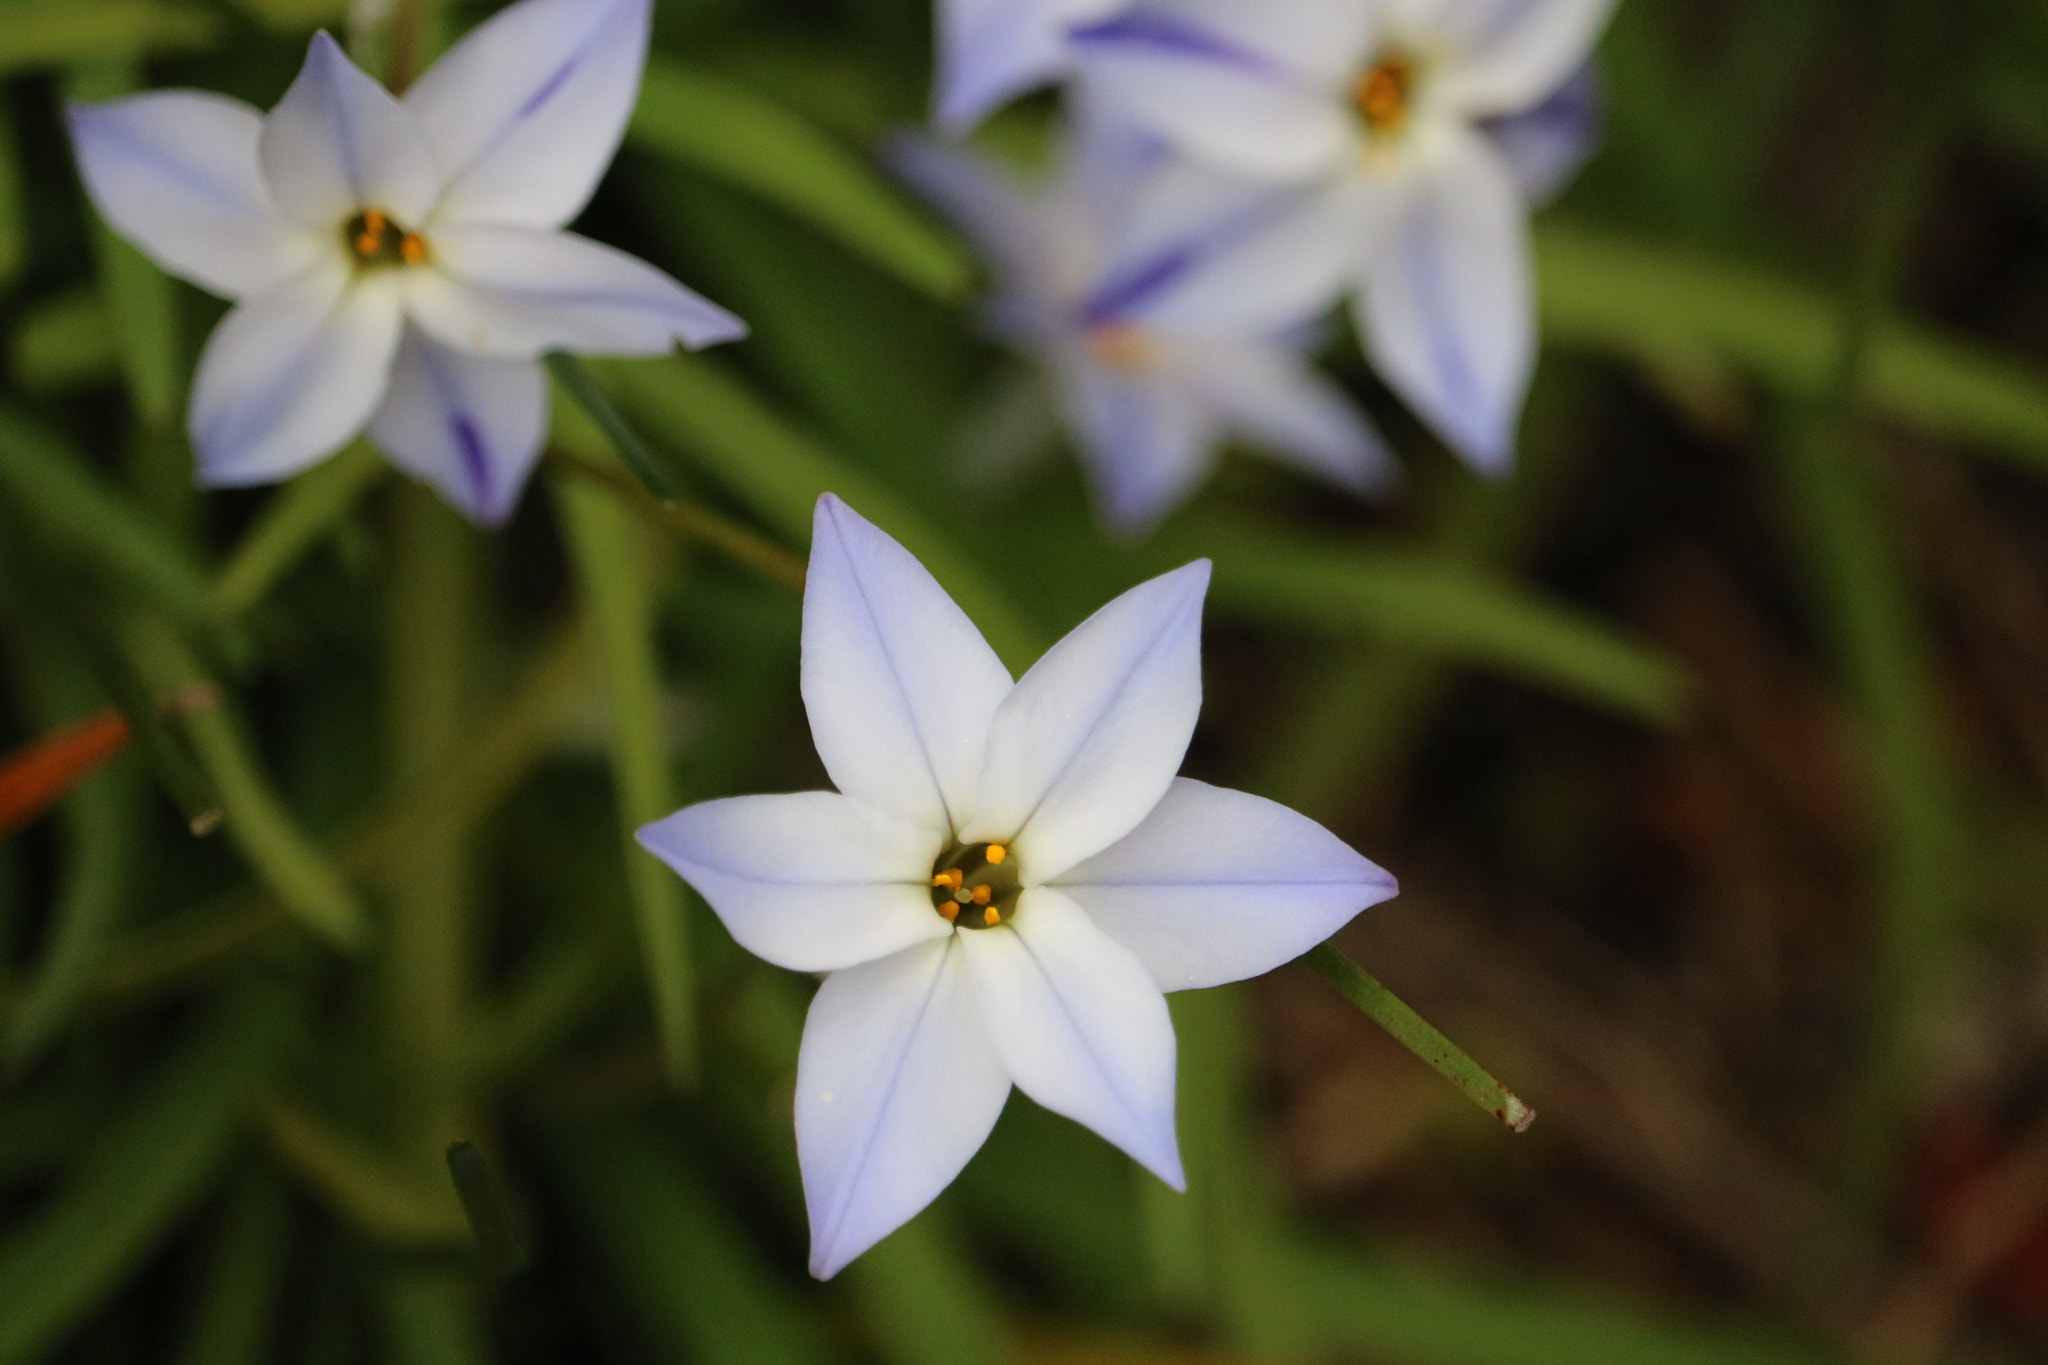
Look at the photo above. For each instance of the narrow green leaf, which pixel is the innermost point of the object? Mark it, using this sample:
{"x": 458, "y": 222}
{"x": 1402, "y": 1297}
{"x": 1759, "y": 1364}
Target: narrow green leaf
{"x": 76, "y": 513}
{"x": 432, "y": 1318}
{"x": 234, "y": 1308}
{"x": 63, "y": 343}
{"x": 306, "y": 509}
{"x": 61, "y": 32}
{"x": 610, "y": 554}
{"x": 13, "y": 203}
{"x": 1607, "y": 292}
{"x": 779, "y": 472}
{"x": 694, "y": 1282}
{"x": 1433, "y": 602}
{"x": 99, "y": 867}
{"x": 1390, "y": 1311}
{"x": 1419, "y": 1036}
{"x": 281, "y": 854}
{"x": 919, "y": 1304}
{"x": 597, "y": 406}
{"x": 143, "y": 1169}
{"x": 500, "y": 1251}
{"x": 712, "y": 125}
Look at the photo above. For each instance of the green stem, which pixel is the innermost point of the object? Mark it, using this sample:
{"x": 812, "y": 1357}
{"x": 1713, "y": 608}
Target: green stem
{"x": 610, "y": 558}
{"x": 1419, "y": 1036}
{"x": 293, "y": 523}
{"x": 433, "y": 607}
{"x": 598, "y": 406}
{"x": 690, "y": 520}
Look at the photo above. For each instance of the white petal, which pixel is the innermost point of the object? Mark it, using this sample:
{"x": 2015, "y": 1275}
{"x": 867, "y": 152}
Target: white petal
{"x": 1214, "y": 97}
{"x": 1146, "y": 444}
{"x": 1085, "y": 744}
{"x": 898, "y": 683}
{"x": 811, "y": 881}
{"x": 1545, "y": 145}
{"x": 1272, "y": 262}
{"x": 1513, "y": 53}
{"x": 174, "y": 171}
{"x": 339, "y": 143}
{"x": 525, "y": 113}
{"x": 516, "y": 292}
{"x": 992, "y": 50}
{"x": 1326, "y": 40}
{"x": 1219, "y": 885}
{"x": 1079, "y": 1025}
{"x": 470, "y": 426}
{"x": 1449, "y": 314}
{"x": 897, "y": 1086}
{"x": 291, "y": 373}
{"x": 1275, "y": 400}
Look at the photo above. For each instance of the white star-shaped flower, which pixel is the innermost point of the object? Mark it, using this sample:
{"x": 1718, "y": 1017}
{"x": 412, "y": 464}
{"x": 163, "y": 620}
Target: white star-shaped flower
{"x": 1403, "y": 116}
{"x": 1087, "y": 260}
{"x": 398, "y": 264}
{"x": 1006, "y": 881}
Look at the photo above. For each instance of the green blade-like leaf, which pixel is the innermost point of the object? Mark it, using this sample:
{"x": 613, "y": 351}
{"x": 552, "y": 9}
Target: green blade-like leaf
{"x": 780, "y": 473}
{"x": 1607, "y": 292}
{"x": 143, "y": 1170}
{"x": 696, "y": 1284}
{"x": 79, "y": 515}
{"x": 1430, "y": 602}
{"x": 60, "y": 32}
{"x": 1400, "y": 1312}
{"x": 723, "y": 129}
{"x": 610, "y": 554}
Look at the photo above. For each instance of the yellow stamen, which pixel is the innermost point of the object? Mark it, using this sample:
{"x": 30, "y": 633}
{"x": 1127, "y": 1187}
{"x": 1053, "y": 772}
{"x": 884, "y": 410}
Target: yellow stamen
{"x": 1123, "y": 347}
{"x": 991, "y": 917}
{"x": 413, "y": 248}
{"x": 996, "y": 854}
{"x": 950, "y": 911}
{"x": 372, "y": 235}
{"x": 1381, "y": 94}
{"x": 980, "y": 895}
{"x": 950, "y": 878}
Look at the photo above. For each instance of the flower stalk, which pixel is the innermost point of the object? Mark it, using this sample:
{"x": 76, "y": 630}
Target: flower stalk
{"x": 1419, "y": 1036}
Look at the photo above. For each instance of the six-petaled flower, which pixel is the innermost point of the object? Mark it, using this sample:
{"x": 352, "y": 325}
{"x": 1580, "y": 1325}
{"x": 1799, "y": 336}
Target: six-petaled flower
{"x": 1007, "y": 879}
{"x": 398, "y": 264}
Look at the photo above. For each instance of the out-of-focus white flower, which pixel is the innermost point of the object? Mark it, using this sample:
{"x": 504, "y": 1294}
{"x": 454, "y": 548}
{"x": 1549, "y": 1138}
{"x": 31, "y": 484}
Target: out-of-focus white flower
{"x": 1086, "y": 261}
{"x": 398, "y": 264}
{"x": 1007, "y": 879}
{"x": 993, "y": 50}
{"x": 1404, "y": 116}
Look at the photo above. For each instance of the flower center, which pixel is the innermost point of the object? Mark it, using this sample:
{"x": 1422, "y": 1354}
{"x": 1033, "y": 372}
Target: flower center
{"x": 1384, "y": 95}
{"x": 975, "y": 886}
{"x": 1121, "y": 346}
{"x": 373, "y": 239}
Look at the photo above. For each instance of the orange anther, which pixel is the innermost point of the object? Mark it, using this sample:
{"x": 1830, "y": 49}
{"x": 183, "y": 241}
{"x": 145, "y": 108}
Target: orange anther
{"x": 991, "y": 917}
{"x": 412, "y": 248}
{"x": 372, "y": 235}
{"x": 981, "y": 895}
{"x": 950, "y": 911}
{"x": 951, "y": 878}
{"x": 996, "y": 854}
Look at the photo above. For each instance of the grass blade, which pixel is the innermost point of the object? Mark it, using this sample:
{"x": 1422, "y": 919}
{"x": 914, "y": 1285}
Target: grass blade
{"x": 610, "y": 557}
{"x": 42, "y": 33}
{"x": 597, "y": 405}
{"x": 142, "y": 1171}
{"x": 292, "y": 524}
{"x": 712, "y": 125}
{"x": 779, "y": 472}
